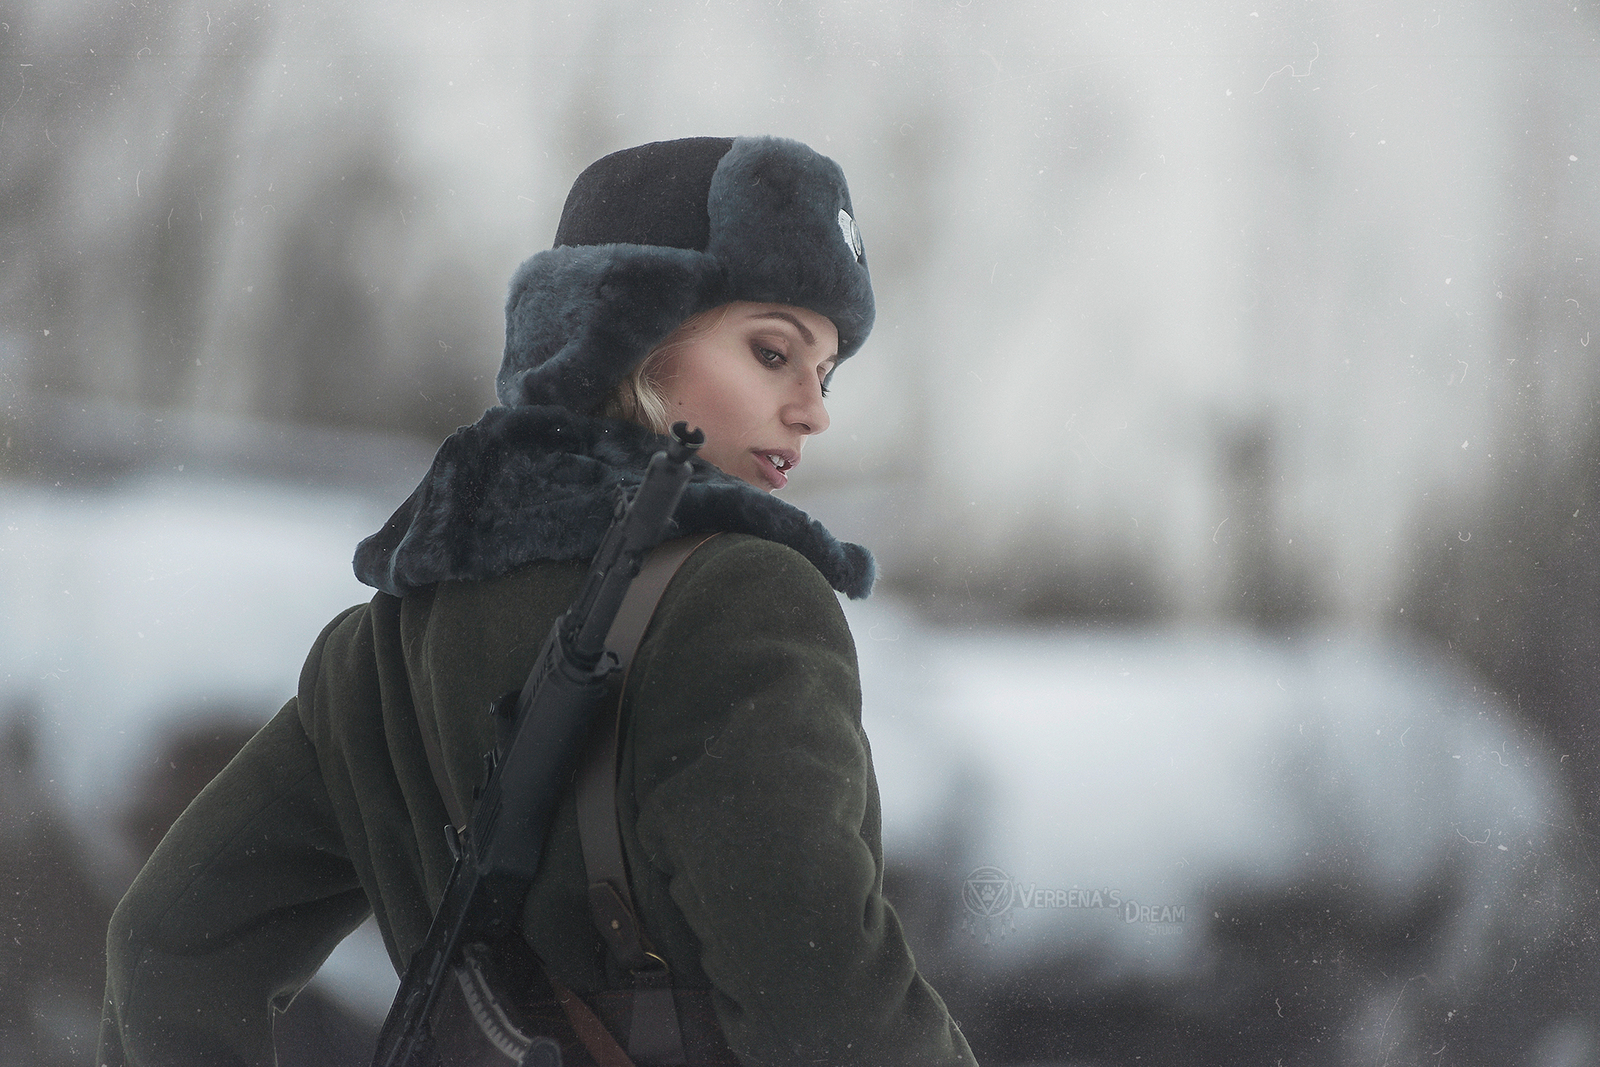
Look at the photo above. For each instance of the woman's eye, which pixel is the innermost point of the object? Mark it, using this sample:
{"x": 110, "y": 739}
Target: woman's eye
{"x": 770, "y": 357}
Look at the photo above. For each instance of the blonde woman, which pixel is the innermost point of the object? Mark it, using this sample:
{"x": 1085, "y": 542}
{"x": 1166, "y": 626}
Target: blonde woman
{"x": 717, "y": 281}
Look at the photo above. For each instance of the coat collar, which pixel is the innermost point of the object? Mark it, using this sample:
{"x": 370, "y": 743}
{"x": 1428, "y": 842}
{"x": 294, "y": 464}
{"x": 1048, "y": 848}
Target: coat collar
{"x": 540, "y": 482}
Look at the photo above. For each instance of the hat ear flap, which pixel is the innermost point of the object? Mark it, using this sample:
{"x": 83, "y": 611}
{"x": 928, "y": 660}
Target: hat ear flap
{"x": 608, "y": 306}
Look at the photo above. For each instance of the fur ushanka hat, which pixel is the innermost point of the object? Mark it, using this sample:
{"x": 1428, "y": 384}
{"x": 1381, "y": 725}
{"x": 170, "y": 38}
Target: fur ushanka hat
{"x": 652, "y": 235}
{"x": 649, "y": 237}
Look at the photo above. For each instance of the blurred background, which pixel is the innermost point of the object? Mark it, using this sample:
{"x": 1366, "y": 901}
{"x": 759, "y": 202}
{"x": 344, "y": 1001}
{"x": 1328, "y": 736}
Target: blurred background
{"x": 1227, "y": 441}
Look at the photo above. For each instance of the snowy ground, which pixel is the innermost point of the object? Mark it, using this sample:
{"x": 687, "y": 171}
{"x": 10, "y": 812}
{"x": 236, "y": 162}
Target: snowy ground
{"x": 1086, "y": 811}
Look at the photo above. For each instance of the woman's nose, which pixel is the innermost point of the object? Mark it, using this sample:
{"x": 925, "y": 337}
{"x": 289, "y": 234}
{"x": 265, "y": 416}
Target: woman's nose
{"x": 807, "y": 412}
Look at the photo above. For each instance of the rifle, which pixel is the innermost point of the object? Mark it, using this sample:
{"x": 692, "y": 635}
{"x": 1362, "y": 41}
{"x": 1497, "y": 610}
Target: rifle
{"x": 540, "y": 733}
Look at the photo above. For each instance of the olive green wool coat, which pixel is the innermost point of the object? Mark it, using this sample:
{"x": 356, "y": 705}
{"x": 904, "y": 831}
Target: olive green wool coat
{"x": 747, "y": 800}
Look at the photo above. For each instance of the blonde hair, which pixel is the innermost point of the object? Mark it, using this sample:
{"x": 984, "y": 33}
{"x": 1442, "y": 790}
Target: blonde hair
{"x": 638, "y": 397}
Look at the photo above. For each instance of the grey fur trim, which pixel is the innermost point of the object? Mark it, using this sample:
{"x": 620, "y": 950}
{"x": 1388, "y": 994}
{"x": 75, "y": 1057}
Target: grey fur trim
{"x": 531, "y": 483}
{"x": 579, "y": 318}
{"x": 775, "y": 229}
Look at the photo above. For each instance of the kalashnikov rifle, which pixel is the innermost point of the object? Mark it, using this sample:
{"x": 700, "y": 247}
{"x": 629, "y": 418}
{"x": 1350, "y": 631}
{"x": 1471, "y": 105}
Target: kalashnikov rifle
{"x": 497, "y": 853}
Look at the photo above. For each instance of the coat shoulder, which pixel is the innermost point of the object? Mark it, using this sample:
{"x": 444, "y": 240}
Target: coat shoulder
{"x": 742, "y": 573}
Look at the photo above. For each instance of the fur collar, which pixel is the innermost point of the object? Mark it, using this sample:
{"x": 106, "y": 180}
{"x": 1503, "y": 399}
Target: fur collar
{"x": 540, "y": 482}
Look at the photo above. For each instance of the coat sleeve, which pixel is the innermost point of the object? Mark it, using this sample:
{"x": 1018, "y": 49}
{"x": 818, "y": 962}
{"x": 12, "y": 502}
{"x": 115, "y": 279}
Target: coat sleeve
{"x": 238, "y": 907}
{"x": 768, "y": 836}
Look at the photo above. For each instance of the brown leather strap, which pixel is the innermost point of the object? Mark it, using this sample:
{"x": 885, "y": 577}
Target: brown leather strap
{"x": 597, "y": 774}
{"x": 638, "y": 607}
{"x": 610, "y": 900}
{"x": 654, "y": 1033}
{"x": 590, "y": 1030}
{"x": 627, "y": 629}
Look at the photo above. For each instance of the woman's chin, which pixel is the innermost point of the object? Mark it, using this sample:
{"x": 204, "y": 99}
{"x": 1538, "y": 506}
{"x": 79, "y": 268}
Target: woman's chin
{"x": 765, "y": 487}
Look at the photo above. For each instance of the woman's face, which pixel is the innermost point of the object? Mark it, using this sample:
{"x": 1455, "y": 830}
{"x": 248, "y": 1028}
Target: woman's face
{"x": 753, "y": 383}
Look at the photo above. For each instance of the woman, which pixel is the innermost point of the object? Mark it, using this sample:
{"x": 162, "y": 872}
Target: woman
{"x": 719, "y": 281}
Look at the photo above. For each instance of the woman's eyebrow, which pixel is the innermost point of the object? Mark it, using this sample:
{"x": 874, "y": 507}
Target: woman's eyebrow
{"x": 809, "y": 337}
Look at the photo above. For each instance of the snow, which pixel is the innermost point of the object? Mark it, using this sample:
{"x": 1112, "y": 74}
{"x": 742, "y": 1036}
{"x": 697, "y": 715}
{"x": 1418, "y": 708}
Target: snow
{"x": 131, "y": 610}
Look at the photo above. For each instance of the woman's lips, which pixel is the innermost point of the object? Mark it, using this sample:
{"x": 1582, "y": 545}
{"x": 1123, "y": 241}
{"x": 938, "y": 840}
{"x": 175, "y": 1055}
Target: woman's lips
{"x": 775, "y": 464}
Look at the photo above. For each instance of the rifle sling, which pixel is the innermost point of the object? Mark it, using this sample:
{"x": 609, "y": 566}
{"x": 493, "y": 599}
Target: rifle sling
{"x": 627, "y": 630}
{"x": 654, "y": 1033}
